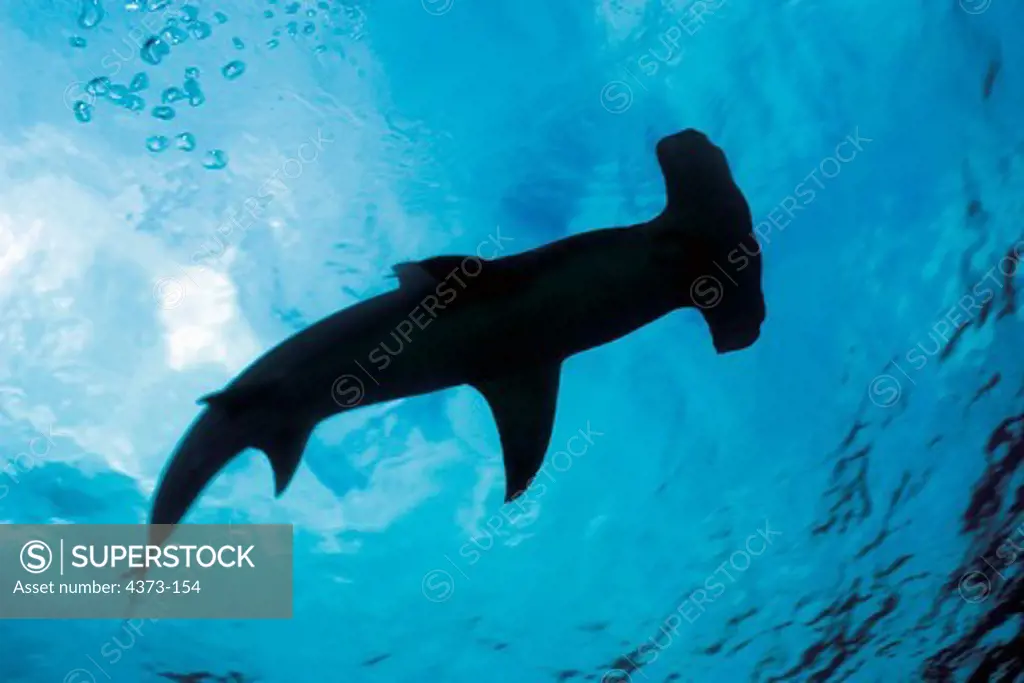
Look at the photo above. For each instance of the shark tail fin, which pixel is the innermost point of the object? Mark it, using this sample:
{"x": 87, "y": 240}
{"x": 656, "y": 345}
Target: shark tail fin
{"x": 213, "y": 441}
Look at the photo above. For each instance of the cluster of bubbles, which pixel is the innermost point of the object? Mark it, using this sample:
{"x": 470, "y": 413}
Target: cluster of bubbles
{"x": 178, "y": 27}
{"x": 131, "y": 96}
{"x": 308, "y": 28}
{"x": 304, "y": 28}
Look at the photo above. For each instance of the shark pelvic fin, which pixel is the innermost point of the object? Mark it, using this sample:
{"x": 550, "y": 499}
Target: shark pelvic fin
{"x": 284, "y": 448}
{"x": 283, "y": 444}
{"x": 523, "y": 406}
{"x": 239, "y": 399}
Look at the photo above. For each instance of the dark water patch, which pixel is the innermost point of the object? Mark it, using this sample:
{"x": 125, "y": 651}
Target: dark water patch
{"x": 985, "y": 388}
{"x": 892, "y": 568}
{"x": 741, "y": 646}
{"x": 912, "y": 578}
{"x": 740, "y": 618}
{"x": 851, "y": 436}
{"x": 1009, "y": 288}
{"x": 874, "y": 544}
{"x": 1005, "y": 660}
{"x": 986, "y": 311}
{"x": 206, "y": 677}
{"x": 989, "y": 492}
{"x": 989, "y": 581}
{"x": 594, "y": 627}
{"x": 994, "y": 67}
{"x": 822, "y": 660}
{"x": 887, "y": 648}
{"x": 849, "y": 493}
{"x": 783, "y": 626}
{"x": 954, "y": 341}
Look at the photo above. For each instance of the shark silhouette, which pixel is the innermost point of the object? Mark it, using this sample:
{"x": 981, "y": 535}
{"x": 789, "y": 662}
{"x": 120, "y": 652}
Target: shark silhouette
{"x": 506, "y": 332}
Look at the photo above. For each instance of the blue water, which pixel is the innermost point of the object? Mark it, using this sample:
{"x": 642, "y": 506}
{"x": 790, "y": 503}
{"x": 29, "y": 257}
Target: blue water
{"x": 842, "y": 501}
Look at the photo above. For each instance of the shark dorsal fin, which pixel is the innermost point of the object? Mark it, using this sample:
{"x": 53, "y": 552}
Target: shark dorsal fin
{"x": 470, "y": 277}
{"x": 523, "y": 406}
{"x": 426, "y": 272}
{"x": 411, "y": 276}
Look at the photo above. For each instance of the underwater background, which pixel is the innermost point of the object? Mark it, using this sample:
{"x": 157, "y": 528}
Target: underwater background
{"x": 842, "y": 501}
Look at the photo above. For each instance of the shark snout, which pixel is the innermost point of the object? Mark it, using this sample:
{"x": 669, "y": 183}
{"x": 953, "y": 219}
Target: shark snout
{"x": 681, "y": 143}
{"x": 735, "y": 339}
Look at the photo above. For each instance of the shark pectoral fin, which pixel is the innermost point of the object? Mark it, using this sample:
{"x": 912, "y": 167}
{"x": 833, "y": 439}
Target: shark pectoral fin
{"x": 524, "y": 408}
{"x": 284, "y": 448}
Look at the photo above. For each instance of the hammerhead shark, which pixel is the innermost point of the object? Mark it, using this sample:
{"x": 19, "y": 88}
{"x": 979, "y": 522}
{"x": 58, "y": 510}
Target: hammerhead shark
{"x": 505, "y": 331}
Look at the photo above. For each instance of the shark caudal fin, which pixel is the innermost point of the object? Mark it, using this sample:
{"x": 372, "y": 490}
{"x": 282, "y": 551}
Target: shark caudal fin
{"x": 523, "y": 406}
{"x": 213, "y": 440}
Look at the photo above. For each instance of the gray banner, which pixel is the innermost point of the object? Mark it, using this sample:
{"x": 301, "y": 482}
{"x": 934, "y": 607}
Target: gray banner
{"x": 107, "y": 571}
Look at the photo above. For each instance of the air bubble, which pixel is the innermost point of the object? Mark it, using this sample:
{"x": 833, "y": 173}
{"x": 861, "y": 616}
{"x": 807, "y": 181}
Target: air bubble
{"x": 189, "y": 13}
{"x": 91, "y": 14}
{"x": 98, "y": 86}
{"x": 83, "y": 111}
{"x": 123, "y": 97}
{"x": 233, "y": 70}
{"x": 186, "y": 142}
{"x": 195, "y": 94}
{"x": 139, "y": 82}
{"x": 200, "y": 30}
{"x": 215, "y": 160}
{"x": 174, "y": 35}
{"x": 163, "y": 112}
{"x": 156, "y": 143}
{"x": 173, "y": 94}
{"x": 154, "y": 50}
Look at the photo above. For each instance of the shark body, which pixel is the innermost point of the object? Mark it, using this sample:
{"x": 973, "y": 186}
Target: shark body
{"x": 503, "y": 326}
